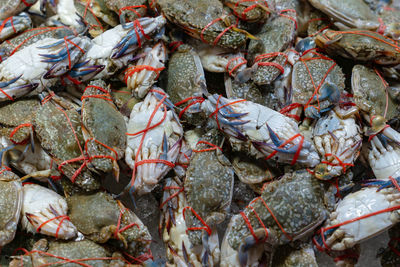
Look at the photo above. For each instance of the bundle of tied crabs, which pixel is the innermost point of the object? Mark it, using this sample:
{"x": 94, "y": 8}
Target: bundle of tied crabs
{"x": 274, "y": 123}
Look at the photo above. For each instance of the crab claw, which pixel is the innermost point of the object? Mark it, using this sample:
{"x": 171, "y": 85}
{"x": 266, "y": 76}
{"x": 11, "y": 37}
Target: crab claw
{"x": 45, "y": 212}
{"x": 305, "y": 44}
{"x": 140, "y": 30}
{"x": 13, "y": 25}
{"x": 381, "y": 183}
{"x": 66, "y": 57}
{"x": 81, "y": 73}
{"x": 10, "y": 91}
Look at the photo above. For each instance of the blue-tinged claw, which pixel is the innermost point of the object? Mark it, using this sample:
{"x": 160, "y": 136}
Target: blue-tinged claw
{"x": 305, "y": 44}
{"x": 5, "y": 84}
{"x": 312, "y": 112}
{"x": 223, "y": 120}
{"x": 274, "y": 137}
{"x": 291, "y": 150}
{"x": 167, "y": 102}
{"x": 329, "y": 91}
{"x": 54, "y": 44}
{"x": 384, "y": 139}
{"x": 3, "y": 151}
{"x": 164, "y": 153}
{"x": 81, "y": 74}
{"x": 381, "y": 183}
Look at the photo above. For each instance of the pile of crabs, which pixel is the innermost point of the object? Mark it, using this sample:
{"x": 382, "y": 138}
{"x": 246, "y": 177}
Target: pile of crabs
{"x": 274, "y": 123}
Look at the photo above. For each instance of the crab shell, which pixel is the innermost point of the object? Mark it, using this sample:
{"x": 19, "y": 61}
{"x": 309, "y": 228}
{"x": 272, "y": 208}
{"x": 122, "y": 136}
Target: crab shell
{"x": 355, "y": 13}
{"x": 41, "y": 207}
{"x": 12, "y": 7}
{"x": 335, "y": 137}
{"x": 202, "y": 13}
{"x": 141, "y": 81}
{"x": 176, "y": 236}
{"x": 249, "y": 132}
{"x": 160, "y": 142}
{"x": 11, "y": 203}
{"x": 290, "y": 198}
{"x": 101, "y": 121}
{"x": 357, "y": 204}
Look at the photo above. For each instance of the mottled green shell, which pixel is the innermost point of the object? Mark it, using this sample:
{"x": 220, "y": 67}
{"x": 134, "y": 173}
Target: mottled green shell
{"x": 275, "y": 36}
{"x": 286, "y": 256}
{"x": 90, "y": 213}
{"x": 183, "y": 79}
{"x": 208, "y": 184}
{"x": 303, "y": 88}
{"x": 247, "y": 90}
{"x": 247, "y": 11}
{"x": 296, "y": 200}
{"x": 195, "y": 15}
{"x": 105, "y": 124}
{"x": 57, "y": 137}
{"x": 15, "y": 113}
{"x": 117, "y": 5}
{"x": 370, "y": 93}
{"x": 77, "y": 250}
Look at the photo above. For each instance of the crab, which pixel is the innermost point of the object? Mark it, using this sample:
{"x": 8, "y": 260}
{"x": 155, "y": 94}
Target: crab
{"x": 208, "y": 190}
{"x": 276, "y": 217}
{"x": 10, "y": 8}
{"x": 68, "y": 254}
{"x": 180, "y": 250}
{"x": 186, "y": 79}
{"x": 204, "y": 23}
{"x": 141, "y": 76}
{"x": 245, "y": 90}
{"x": 373, "y": 102}
{"x": 251, "y": 171}
{"x": 14, "y": 25}
{"x": 317, "y": 83}
{"x": 267, "y": 52}
{"x": 360, "y": 45}
{"x": 100, "y": 218}
{"x": 338, "y": 141}
{"x": 11, "y": 203}
{"x": 103, "y": 128}
{"x": 114, "y": 47}
{"x": 260, "y": 131}
{"x": 60, "y": 134}
{"x": 354, "y": 13}
{"x": 154, "y": 134}
{"x": 44, "y": 211}
{"x": 384, "y": 156}
{"x": 359, "y": 216}
{"x": 31, "y": 67}
{"x": 391, "y": 21}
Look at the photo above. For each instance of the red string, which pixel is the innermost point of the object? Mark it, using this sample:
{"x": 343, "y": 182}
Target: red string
{"x": 27, "y": 4}
{"x": 385, "y": 84}
{"x": 286, "y": 111}
{"x": 138, "y": 27}
{"x": 131, "y": 8}
{"x": 392, "y": 247}
{"x": 87, "y": 7}
{"x": 14, "y": 131}
{"x": 243, "y": 15}
{"x": 241, "y": 61}
{"x": 323, "y": 28}
{"x": 212, "y": 147}
{"x": 382, "y": 26}
{"x": 323, "y": 230}
{"x": 289, "y": 17}
{"x": 118, "y": 230}
{"x": 274, "y": 64}
{"x": 66, "y": 41}
{"x": 11, "y": 19}
{"x": 197, "y": 99}
{"x": 296, "y": 155}
{"x": 144, "y": 132}
{"x": 131, "y": 70}
{"x": 180, "y": 189}
{"x": 62, "y": 217}
{"x": 219, "y": 35}
{"x": 340, "y": 163}
{"x": 175, "y": 45}
{"x": 215, "y": 113}
{"x": 42, "y": 30}
{"x": 205, "y": 227}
